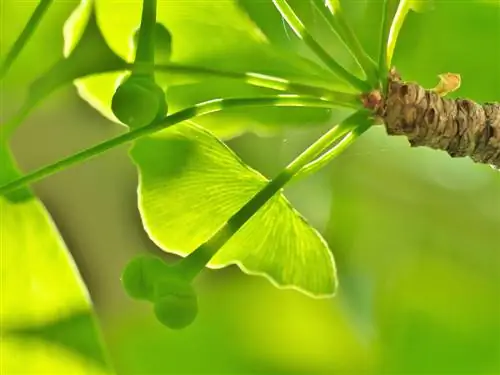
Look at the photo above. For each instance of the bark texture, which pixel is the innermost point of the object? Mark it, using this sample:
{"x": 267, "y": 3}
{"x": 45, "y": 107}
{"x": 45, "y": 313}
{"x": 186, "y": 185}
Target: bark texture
{"x": 461, "y": 127}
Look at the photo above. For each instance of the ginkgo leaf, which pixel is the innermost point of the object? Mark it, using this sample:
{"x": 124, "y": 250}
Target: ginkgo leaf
{"x": 196, "y": 183}
{"x": 47, "y": 324}
{"x": 217, "y": 35}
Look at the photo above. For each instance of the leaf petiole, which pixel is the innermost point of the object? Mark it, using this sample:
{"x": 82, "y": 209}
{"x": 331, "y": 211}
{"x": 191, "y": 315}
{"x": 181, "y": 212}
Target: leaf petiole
{"x": 364, "y": 124}
{"x": 390, "y": 9}
{"x": 48, "y": 83}
{"x": 263, "y": 80}
{"x": 200, "y": 109}
{"x": 332, "y": 12}
{"x": 300, "y": 30}
{"x": 146, "y": 40}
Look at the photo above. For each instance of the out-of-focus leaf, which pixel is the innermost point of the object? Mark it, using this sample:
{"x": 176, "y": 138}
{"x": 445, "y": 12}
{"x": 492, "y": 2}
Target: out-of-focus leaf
{"x": 206, "y": 34}
{"x": 459, "y": 37}
{"x": 44, "y": 47}
{"x": 183, "y": 207}
{"x": 398, "y": 11}
{"x": 87, "y": 55}
{"x": 47, "y": 323}
{"x": 422, "y": 5}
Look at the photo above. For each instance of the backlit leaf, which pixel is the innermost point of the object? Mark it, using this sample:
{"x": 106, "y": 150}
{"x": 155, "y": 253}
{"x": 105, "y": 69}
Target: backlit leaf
{"x": 217, "y": 35}
{"x": 186, "y": 196}
{"x": 47, "y": 323}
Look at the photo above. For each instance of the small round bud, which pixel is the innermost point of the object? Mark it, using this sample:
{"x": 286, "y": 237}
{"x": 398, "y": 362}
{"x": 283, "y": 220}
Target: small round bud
{"x": 139, "y": 101}
{"x": 176, "y": 304}
{"x": 141, "y": 274}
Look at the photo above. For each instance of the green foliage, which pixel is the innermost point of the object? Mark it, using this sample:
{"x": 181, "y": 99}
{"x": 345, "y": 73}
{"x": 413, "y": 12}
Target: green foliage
{"x": 192, "y": 185}
{"x": 47, "y": 323}
{"x": 204, "y": 36}
{"x": 183, "y": 206}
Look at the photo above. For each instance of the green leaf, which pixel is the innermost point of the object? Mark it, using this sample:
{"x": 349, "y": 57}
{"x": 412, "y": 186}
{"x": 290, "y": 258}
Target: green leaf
{"x": 44, "y": 46}
{"x": 204, "y": 34}
{"x": 80, "y": 60}
{"x": 47, "y": 323}
{"x": 422, "y": 5}
{"x": 185, "y": 197}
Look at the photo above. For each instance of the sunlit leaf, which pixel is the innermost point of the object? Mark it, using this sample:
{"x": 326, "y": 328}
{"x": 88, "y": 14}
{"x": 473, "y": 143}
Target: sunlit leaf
{"x": 47, "y": 323}
{"x": 218, "y": 35}
{"x": 186, "y": 196}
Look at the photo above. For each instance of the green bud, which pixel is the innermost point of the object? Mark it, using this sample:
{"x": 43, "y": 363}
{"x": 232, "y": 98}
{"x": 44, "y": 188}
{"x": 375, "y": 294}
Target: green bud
{"x": 139, "y": 101}
{"x": 176, "y": 304}
{"x": 141, "y": 274}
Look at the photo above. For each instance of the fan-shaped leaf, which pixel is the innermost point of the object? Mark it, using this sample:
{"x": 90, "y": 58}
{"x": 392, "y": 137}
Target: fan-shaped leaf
{"x": 47, "y": 324}
{"x": 186, "y": 196}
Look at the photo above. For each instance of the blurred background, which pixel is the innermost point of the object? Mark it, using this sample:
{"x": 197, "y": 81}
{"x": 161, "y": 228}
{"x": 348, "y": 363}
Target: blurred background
{"x": 414, "y": 234}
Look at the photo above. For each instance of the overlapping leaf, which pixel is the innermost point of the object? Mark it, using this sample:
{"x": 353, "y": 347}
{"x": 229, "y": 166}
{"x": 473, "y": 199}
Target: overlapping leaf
{"x": 47, "y": 324}
{"x": 191, "y": 184}
{"x": 206, "y": 34}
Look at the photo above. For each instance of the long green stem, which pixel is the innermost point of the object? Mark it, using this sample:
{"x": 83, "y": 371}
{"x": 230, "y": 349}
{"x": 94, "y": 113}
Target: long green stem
{"x": 198, "y": 259}
{"x": 266, "y": 81}
{"x": 300, "y": 30}
{"x": 24, "y": 37}
{"x": 363, "y": 124}
{"x": 387, "y": 42}
{"x": 335, "y": 18}
{"x": 254, "y": 79}
{"x": 183, "y": 115}
{"x": 146, "y": 41}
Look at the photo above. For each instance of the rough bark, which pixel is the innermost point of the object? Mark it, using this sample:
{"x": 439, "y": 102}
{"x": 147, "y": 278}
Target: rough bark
{"x": 461, "y": 127}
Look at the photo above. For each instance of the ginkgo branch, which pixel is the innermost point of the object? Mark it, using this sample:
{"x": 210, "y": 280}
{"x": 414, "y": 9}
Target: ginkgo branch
{"x": 461, "y": 127}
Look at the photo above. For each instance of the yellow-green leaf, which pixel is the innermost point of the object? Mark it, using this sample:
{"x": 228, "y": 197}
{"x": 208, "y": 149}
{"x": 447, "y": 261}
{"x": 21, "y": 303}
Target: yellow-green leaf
{"x": 196, "y": 183}
{"x": 47, "y": 324}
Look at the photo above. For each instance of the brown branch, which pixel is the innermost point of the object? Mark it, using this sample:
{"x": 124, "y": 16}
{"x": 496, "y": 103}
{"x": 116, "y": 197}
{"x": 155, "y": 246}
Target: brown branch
{"x": 461, "y": 127}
